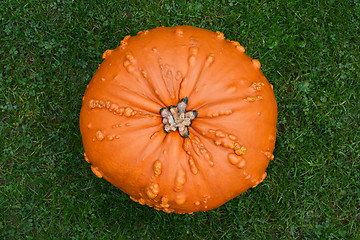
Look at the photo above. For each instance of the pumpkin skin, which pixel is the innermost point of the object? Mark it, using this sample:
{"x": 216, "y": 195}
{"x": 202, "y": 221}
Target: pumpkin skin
{"x": 229, "y": 143}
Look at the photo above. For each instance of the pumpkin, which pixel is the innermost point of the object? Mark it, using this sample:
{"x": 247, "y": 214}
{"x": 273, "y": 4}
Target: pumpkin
{"x": 180, "y": 119}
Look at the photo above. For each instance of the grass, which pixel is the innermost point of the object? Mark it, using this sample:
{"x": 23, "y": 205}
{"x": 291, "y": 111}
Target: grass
{"x": 309, "y": 50}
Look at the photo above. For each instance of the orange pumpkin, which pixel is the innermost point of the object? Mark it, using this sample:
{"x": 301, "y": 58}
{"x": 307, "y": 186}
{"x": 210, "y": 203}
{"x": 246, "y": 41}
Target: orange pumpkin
{"x": 179, "y": 118}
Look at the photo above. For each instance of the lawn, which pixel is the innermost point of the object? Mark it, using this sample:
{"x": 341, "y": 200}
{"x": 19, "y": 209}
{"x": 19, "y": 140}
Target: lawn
{"x": 309, "y": 51}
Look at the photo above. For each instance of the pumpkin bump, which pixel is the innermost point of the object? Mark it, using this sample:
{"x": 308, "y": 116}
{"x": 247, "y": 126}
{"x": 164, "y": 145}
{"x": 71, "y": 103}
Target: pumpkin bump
{"x": 180, "y": 119}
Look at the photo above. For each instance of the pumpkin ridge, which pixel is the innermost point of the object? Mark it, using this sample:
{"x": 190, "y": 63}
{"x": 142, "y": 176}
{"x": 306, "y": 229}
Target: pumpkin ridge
{"x": 169, "y": 80}
{"x": 197, "y": 150}
{"x": 150, "y": 151}
{"x": 222, "y": 139}
{"x": 195, "y": 69}
{"x": 227, "y": 105}
{"x": 141, "y": 76}
{"x": 158, "y": 78}
{"x": 137, "y": 100}
{"x": 206, "y": 171}
{"x": 124, "y": 110}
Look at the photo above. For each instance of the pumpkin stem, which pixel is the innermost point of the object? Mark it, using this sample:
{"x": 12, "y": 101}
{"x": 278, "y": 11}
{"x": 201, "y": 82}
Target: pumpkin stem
{"x": 177, "y": 118}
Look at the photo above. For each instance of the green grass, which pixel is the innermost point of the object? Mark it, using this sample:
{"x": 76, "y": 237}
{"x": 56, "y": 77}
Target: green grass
{"x": 309, "y": 50}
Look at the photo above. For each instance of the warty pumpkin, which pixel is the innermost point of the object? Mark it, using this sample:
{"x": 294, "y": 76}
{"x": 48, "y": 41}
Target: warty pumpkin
{"x": 180, "y": 119}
